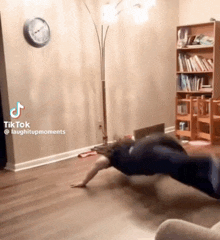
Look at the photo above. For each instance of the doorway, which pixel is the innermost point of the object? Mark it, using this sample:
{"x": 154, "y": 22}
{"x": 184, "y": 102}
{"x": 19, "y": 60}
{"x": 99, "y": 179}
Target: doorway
{"x": 3, "y": 158}
{"x": 4, "y": 105}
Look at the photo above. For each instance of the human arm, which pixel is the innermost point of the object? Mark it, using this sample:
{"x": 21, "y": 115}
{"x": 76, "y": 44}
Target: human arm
{"x": 101, "y": 163}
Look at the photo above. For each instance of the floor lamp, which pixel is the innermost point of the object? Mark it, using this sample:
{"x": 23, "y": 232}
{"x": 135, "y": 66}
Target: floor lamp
{"x": 110, "y": 14}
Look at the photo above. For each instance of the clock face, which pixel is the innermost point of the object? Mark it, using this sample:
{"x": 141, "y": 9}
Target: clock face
{"x": 37, "y": 32}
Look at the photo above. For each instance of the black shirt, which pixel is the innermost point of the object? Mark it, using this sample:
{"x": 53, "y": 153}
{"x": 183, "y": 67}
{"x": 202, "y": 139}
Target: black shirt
{"x": 140, "y": 157}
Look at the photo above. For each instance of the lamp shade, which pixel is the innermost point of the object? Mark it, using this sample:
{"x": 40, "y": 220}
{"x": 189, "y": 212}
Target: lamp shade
{"x": 149, "y": 3}
{"x": 109, "y": 14}
{"x": 140, "y": 15}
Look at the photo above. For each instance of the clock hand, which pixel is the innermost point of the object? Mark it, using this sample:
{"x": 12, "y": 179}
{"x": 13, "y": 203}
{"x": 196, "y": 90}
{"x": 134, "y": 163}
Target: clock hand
{"x": 39, "y": 29}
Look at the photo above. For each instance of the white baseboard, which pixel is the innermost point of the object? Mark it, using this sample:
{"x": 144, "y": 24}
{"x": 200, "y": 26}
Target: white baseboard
{"x": 56, "y": 158}
{"x": 46, "y": 160}
{"x": 170, "y": 129}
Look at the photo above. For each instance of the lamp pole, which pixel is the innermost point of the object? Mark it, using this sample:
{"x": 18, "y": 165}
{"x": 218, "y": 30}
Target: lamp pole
{"x": 105, "y": 131}
{"x": 101, "y": 42}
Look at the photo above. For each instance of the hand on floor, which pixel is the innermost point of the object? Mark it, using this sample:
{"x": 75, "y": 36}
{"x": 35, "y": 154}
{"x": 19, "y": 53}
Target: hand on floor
{"x": 80, "y": 184}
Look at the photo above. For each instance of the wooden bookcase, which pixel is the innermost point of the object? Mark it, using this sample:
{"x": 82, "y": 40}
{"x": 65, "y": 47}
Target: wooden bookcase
{"x": 195, "y": 74}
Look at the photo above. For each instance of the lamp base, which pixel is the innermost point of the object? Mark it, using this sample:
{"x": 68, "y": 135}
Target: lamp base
{"x": 102, "y": 147}
{"x": 105, "y": 140}
{"x": 98, "y": 148}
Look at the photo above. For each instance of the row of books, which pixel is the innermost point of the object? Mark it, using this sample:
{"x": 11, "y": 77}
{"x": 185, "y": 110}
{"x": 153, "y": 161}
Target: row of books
{"x": 200, "y": 39}
{"x": 185, "y": 39}
{"x": 192, "y": 83}
{"x": 182, "y": 109}
{"x": 183, "y": 126}
{"x": 194, "y": 63}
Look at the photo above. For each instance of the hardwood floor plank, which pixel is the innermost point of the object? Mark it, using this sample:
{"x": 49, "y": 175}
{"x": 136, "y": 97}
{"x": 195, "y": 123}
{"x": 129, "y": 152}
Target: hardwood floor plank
{"x": 39, "y": 204}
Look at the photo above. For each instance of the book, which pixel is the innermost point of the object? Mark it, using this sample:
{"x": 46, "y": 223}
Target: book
{"x": 197, "y": 39}
{"x": 188, "y": 85}
{"x": 192, "y": 64}
{"x": 202, "y": 68}
{"x": 179, "y": 83}
{"x": 180, "y": 63}
{"x": 207, "y": 66}
{"x": 190, "y": 39}
{"x": 210, "y": 61}
{"x": 206, "y": 86}
{"x": 198, "y": 69}
{"x": 182, "y": 109}
{"x": 202, "y": 62}
{"x": 205, "y": 89}
{"x": 189, "y": 68}
{"x": 183, "y": 83}
{"x": 184, "y": 62}
{"x": 198, "y": 85}
{"x": 206, "y": 40}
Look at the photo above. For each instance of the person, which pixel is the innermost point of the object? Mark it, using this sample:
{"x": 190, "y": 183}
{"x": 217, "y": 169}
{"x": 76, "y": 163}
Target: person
{"x": 159, "y": 154}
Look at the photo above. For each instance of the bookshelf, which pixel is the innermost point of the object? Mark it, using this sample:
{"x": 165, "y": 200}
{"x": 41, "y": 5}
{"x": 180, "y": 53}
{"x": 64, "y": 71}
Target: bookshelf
{"x": 197, "y": 72}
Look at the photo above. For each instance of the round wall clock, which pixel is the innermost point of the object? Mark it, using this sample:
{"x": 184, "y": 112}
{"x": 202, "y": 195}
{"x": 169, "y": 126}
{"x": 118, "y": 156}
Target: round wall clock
{"x": 37, "y": 32}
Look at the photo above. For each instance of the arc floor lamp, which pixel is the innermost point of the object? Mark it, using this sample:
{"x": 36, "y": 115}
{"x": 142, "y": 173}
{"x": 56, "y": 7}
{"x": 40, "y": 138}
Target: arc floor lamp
{"x": 110, "y": 13}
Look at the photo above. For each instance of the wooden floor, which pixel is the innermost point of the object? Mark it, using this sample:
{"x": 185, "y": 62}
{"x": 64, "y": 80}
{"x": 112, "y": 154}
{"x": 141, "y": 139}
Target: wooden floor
{"x": 38, "y": 204}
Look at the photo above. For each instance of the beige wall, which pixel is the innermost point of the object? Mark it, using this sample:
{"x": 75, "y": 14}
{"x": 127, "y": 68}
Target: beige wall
{"x": 141, "y": 70}
{"x": 197, "y": 11}
{"x": 59, "y": 84}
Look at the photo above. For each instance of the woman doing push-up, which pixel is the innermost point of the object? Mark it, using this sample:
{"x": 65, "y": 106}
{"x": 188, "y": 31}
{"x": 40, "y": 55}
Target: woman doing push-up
{"x": 159, "y": 154}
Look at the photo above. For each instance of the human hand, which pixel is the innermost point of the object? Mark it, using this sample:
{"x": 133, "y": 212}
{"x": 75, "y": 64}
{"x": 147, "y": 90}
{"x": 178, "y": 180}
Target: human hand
{"x": 80, "y": 185}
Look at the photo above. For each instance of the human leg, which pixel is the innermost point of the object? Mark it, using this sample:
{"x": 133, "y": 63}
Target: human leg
{"x": 215, "y": 174}
{"x": 200, "y": 172}
{"x": 171, "y": 142}
{"x": 160, "y": 139}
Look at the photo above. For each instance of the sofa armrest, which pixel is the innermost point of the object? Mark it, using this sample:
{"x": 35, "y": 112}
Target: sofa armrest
{"x": 216, "y": 227}
{"x": 175, "y": 229}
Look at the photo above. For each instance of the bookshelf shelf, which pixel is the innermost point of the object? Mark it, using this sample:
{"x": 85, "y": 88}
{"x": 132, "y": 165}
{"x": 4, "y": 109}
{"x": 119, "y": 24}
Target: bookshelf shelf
{"x": 183, "y": 133}
{"x": 183, "y": 117}
{"x": 204, "y": 135}
{"x": 194, "y": 72}
{"x": 196, "y": 25}
{"x": 197, "y": 68}
{"x": 199, "y": 92}
{"x": 196, "y": 47}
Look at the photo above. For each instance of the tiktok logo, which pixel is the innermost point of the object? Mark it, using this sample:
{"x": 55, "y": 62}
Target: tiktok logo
{"x": 17, "y": 114}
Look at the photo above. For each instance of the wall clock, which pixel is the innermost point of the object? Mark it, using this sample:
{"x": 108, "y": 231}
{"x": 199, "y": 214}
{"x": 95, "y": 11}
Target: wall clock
{"x": 37, "y": 32}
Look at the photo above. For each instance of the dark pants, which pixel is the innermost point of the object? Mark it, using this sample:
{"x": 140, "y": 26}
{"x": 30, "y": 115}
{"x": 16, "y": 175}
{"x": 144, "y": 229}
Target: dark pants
{"x": 194, "y": 171}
